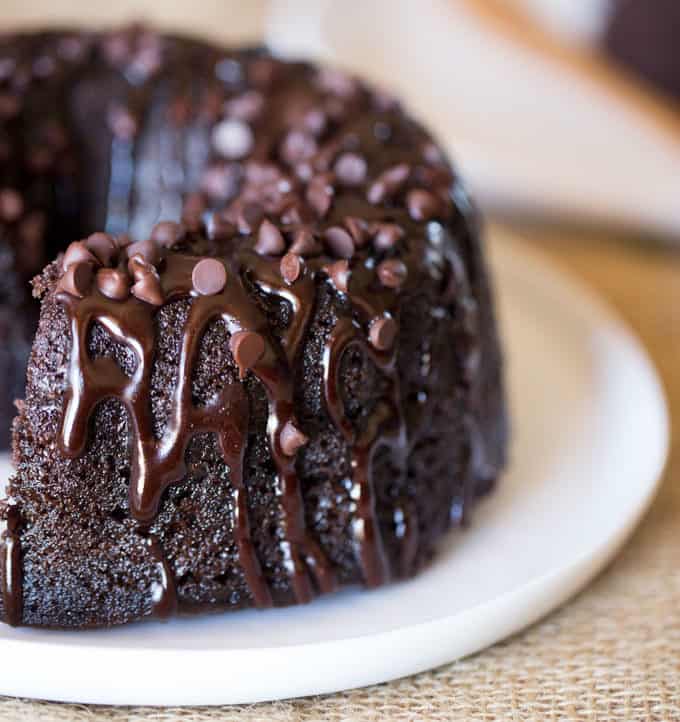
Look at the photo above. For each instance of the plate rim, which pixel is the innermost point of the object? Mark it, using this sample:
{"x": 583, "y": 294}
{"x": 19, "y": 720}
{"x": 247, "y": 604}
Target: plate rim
{"x": 522, "y": 606}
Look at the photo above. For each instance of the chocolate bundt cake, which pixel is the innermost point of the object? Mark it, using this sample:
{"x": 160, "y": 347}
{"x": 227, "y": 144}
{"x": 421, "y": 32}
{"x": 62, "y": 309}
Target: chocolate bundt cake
{"x": 271, "y": 367}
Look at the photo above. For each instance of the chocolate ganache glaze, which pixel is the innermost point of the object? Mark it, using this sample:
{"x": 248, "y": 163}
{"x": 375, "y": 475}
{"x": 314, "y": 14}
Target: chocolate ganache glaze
{"x": 293, "y": 386}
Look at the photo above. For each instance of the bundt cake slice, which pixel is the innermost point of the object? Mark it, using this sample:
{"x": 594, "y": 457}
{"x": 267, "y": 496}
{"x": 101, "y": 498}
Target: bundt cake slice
{"x": 298, "y": 392}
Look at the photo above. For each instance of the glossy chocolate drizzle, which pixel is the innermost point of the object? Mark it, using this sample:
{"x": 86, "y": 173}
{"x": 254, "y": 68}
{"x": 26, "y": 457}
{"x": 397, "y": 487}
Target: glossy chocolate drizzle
{"x": 157, "y": 463}
{"x": 12, "y": 573}
{"x": 385, "y": 425}
{"x": 323, "y": 166}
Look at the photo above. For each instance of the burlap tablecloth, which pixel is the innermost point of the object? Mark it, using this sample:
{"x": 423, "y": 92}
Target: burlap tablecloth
{"x": 612, "y": 653}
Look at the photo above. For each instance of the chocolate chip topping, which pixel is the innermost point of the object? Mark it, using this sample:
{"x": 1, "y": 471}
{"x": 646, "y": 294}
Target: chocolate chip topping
{"x": 149, "y": 250}
{"x": 148, "y": 289}
{"x": 167, "y": 233}
{"x": 339, "y": 274}
{"x": 247, "y": 348}
{"x": 388, "y": 183}
{"x": 11, "y": 205}
{"x": 220, "y": 228}
{"x": 422, "y": 205}
{"x": 270, "y": 240}
{"x": 78, "y": 252}
{"x": 304, "y": 244}
{"x": 77, "y": 279}
{"x": 138, "y": 267}
{"x": 382, "y": 333}
{"x": 233, "y": 138}
{"x": 123, "y": 241}
{"x": 249, "y": 217}
{"x": 319, "y": 194}
{"x": 291, "y": 439}
{"x": 209, "y": 277}
{"x": 113, "y": 284}
{"x": 291, "y": 267}
{"x": 103, "y": 247}
{"x": 392, "y": 272}
{"x": 339, "y": 242}
{"x": 359, "y": 230}
{"x": 300, "y": 154}
{"x": 122, "y": 123}
{"x": 350, "y": 169}
{"x": 298, "y": 146}
{"x": 387, "y": 235}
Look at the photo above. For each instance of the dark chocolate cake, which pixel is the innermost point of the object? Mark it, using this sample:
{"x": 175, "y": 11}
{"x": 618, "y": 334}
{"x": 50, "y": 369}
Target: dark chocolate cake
{"x": 289, "y": 384}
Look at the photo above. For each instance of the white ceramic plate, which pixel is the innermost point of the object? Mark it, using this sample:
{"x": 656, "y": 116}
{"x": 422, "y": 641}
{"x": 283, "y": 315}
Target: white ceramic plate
{"x": 590, "y": 439}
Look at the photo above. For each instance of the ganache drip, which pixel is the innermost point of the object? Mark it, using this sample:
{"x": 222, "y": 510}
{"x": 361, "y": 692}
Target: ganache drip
{"x": 12, "y": 571}
{"x": 158, "y": 463}
{"x": 335, "y": 186}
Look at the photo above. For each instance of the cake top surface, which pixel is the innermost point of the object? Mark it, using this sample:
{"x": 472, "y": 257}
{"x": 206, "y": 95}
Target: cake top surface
{"x": 309, "y": 183}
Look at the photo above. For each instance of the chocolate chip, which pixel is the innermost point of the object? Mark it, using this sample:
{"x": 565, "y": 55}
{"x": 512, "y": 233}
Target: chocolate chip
{"x": 432, "y": 154}
{"x": 209, "y": 277}
{"x": 304, "y": 244}
{"x": 297, "y": 146}
{"x": 229, "y": 71}
{"x": 78, "y": 252}
{"x": 245, "y": 107}
{"x": 337, "y": 82}
{"x": 319, "y": 194}
{"x": 384, "y": 101}
{"x": 138, "y": 267}
{"x": 113, "y": 284}
{"x": 233, "y": 138}
{"x": 262, "y": 72}
{"x": 291, "y": 267}
{"x": 350, "y": 169}
{"x": 148, "y": 289}
{"x": 358, "y": 229}
{"x": 387, "y": 235}
{"x": 339, "y": 242}
{"x": 11, "y": 205}
{"x": 103, "y": 246}
{"x": 122, "y": 123}
{"x": 392, "y": 272}
{"x": 292, "y": 216}
{"x": 339, "y": 274}
{"x": 221, "y": 180}
{"x": 291, "y": 439}
{"x": 149, "y": 250}
{"x": 193, "y": 222}
{"x": 269, "y": 240}
{"x": 167, "y": 233}
{"x": 315, "y": 121}
{"x": 77, "y": 279}
{"x": 382, "y": 333}
{"x": 388, "y": 183}
{"x": 422, "y": 205}
{"x": 247, "y": 348}
{"x": 219, "y": 228}
{"x": 249, "y": 217}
